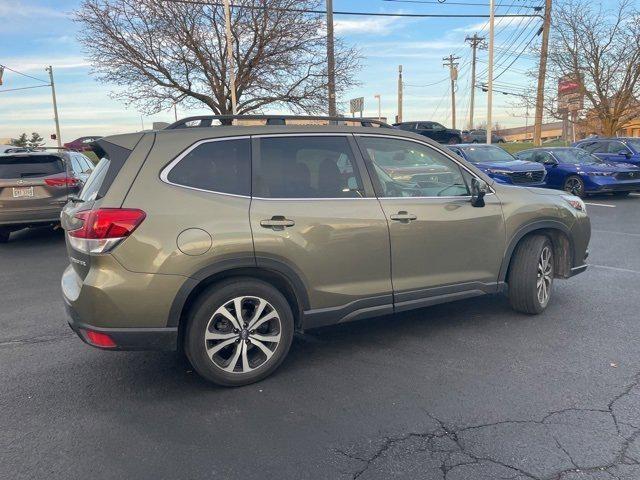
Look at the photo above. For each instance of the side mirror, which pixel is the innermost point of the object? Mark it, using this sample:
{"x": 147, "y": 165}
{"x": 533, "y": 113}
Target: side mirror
{"x": 479, "y": 189}
{"x": 550, "y": 161}
{"x": 625, "y": 152}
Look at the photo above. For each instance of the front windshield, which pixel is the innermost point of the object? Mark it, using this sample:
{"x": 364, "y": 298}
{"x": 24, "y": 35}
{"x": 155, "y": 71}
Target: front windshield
{"x": 575, "y": 155}
{"x": 487, "y": 154}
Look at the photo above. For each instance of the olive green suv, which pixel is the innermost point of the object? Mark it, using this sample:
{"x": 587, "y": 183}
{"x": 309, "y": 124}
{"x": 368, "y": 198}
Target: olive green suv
{"x": 223, "y": 240}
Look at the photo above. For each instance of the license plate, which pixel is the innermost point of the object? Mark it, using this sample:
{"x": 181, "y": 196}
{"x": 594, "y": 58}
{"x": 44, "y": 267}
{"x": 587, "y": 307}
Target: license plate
{"x": 22, "y": 192}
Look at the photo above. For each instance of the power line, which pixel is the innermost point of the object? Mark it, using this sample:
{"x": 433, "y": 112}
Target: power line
{"x": 429, "y": 2}
{"x": 361, "y": 14}
{"x": 23, "y": 74}
{"x": 24, "y": 88}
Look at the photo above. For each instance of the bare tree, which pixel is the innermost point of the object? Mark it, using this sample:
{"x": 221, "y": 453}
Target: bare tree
{"x": 163, "y": 52}
{"x": 601, "y": 50}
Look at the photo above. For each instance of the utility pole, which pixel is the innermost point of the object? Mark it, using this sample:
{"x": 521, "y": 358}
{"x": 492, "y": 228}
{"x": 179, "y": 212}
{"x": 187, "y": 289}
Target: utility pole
{"x": 542, "y": 73}
{"x": 474, "y": 41}
{"x": 450, "y": 62}
{"x": 399, "y": 117}
{"x": 55, "y": 105}
{"x": 379, "y": 106}
{"x": 492, "y": 23}
{"x": 232, "y": 72}
{"x": 331, "y": 61}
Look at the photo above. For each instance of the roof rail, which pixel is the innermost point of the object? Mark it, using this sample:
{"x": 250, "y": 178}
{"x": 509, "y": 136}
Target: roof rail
{"x": 207, "y": 120}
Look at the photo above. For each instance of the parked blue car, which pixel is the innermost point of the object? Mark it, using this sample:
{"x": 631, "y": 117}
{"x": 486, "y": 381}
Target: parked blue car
{"x": 501, "y": 165}
{"x": 618, "y": 150}
{"x": 579, "y": 173}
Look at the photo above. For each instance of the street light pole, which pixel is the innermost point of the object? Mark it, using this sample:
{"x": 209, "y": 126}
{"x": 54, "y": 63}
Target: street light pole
{"x": 331, "y": 61}
{"x": 55, "y": 105}
{"x": 379, "y": 107}
{"x": 492, "y": 22}
{"x": 232, "y": 73}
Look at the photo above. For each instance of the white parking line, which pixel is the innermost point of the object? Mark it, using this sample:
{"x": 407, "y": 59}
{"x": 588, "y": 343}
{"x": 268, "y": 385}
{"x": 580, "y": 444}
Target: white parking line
{"x": 606, "y": 267}
{"x": 617, "y": 233}
{"x": 600, "y": 205}
{"x": 635, "y": 194}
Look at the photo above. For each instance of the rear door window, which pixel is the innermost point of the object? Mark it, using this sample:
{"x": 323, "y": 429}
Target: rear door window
{"x": 25, "y": 166}
{"x": 307, "y": 167}
{"x": 216, "y": 166}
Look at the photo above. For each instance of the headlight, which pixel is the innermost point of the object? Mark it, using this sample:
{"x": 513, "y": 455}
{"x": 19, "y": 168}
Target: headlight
{"x": 497, "y": 171}
{"x": 600, "y": 174}
{"x": 575, "y": 202}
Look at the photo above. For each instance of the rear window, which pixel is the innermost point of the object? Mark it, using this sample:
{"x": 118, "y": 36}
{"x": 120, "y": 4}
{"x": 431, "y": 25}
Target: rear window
{"x": 25, "y": 166}
{"x": 219, "y": 166}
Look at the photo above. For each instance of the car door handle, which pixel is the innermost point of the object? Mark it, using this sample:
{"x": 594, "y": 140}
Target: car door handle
{"x": 277, "y": 222}
{"x": 403, "y": 216}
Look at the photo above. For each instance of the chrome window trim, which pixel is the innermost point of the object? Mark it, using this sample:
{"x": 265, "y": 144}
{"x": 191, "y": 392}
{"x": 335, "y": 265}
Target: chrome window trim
{"x": 164, "y": 173}
{"x": 446, "y": 154}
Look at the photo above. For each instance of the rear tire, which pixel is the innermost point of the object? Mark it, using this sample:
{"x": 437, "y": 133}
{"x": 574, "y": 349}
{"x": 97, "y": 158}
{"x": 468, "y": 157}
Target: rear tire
{"x": 4, "y": 235}
{"x": 223, "y": 347}
{"x": 621, "y": 194}
{"x": 454, "y": 140}
{"x": 531, "y": 275}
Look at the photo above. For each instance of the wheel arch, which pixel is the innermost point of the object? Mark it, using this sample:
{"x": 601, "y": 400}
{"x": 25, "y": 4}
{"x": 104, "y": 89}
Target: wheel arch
{"x": 278, "y": 274}
{"x": 560, "y": 237}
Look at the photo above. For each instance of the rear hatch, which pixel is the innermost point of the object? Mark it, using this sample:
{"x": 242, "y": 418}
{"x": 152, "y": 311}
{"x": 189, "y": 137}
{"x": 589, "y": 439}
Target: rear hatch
{"x": 32, "y": 182}
{"x": 76, "y": 213}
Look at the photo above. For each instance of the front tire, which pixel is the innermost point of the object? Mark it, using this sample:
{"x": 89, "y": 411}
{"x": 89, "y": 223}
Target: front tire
{"x": 4, "y": 235}
{"x": 239, "y": 332}
{"x": 574, "y": 185}
{"x": 621, "y": 194}
{"x": 531, "y": 275}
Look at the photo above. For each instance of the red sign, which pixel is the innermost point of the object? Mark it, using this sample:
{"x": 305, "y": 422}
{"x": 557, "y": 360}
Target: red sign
{"x": 566, "y": 85}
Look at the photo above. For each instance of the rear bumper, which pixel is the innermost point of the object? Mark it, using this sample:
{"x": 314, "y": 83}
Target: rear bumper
{"x": 131, "y": 308}
{"x": 30, "y": 216}
{"x": 127, "y": 338}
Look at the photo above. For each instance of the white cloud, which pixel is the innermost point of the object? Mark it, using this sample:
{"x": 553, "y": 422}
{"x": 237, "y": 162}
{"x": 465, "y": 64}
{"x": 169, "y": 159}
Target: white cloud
{"x": 502, "y": 23}
{"x": 12, "y": 9}
{"x": 30, "y": 64}
{"x": 375, "y": 25}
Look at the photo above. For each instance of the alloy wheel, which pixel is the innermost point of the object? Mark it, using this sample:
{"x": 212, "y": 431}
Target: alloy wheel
{"x": 242, "y": 334}
{"x": 545, "y": 275}
{"x": 573, "y": 186}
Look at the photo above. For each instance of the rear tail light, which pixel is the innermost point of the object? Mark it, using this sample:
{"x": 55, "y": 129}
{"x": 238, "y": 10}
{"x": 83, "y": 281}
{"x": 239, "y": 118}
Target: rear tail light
{"x": 64, "y": 181}
{"x": 99, "y": 339}
{"x": 102, "y": 229}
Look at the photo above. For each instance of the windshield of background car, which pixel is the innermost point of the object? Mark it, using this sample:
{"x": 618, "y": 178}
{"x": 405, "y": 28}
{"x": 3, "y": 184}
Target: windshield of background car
{"x": 487, "y": 154}
{"x": 635, "y": 144}
{"x": 25, "y": 166}
{"x": 575, "y": 155}
{"x": 402, "y": 158}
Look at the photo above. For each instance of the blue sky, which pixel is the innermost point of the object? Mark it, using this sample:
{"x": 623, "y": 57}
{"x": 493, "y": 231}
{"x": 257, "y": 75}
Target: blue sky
{"x": 35, "y": 33}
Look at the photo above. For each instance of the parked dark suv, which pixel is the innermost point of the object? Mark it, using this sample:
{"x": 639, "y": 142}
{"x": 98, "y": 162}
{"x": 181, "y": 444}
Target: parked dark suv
{"x": 224, "y": 240}
{"x": 432, "y": 130}
{"x": 35, "y": 185}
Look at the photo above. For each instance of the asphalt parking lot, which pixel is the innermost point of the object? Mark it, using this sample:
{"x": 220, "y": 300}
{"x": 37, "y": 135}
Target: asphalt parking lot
{"x": 469, "y": 390}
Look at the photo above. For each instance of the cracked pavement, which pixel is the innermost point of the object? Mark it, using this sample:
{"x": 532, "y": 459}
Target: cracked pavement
{"x": 469, "y": 390}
